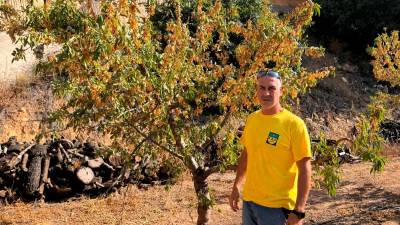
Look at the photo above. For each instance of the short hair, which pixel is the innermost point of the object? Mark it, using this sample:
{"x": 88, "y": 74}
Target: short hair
{"x": 268, "y": 73}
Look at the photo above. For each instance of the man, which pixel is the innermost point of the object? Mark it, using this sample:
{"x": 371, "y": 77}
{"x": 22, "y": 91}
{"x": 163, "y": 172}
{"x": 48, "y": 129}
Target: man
{"x": 275, "y": 161}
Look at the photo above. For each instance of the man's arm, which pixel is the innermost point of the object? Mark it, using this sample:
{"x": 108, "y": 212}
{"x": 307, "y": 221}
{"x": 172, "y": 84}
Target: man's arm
{"x": 240, "y": 176}
{"x": 303, "y": 189}
{"x": 303, "y": 183}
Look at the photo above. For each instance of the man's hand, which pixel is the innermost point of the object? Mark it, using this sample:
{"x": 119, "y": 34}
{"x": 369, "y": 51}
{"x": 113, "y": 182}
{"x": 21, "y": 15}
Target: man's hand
{"x": 234, "y": 199}
{"x": 293, "y": 220}
{"x": 240, "y": 175}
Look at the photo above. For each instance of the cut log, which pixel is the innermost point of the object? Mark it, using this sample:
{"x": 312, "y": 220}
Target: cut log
{"x": 99, "y": 184}
{"x": 59, "y": 156}
{"x": 15, "y": 148}
{"x": 73, "y": 152}
{"x": 45, "y": 173}
{"x": 35, "y": 169}
{"x": 65, "y": 153}
{"x": 48, "y": 182}
{"x": 59, "y": 168}
{"x": 24, "y": 162}
{"x": 98, "y": 180}
{"x": 95, "y": 163}
{"x": 67, "y": 144}
{"x": 115, "y": 160}
{"x": 85, "y": 175}
{"x": 3, "y": 164}
{"x": 108, "y": 166}
{"x": 18, "y": 159}
{"x": 127, "y": 173}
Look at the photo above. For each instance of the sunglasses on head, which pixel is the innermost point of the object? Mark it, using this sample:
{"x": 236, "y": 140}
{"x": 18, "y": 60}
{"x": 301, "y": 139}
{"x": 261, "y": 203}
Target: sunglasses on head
{"x": 269, "y": 73}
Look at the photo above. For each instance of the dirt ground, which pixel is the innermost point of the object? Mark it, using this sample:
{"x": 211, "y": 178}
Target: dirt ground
{"x": 362, "y": 198}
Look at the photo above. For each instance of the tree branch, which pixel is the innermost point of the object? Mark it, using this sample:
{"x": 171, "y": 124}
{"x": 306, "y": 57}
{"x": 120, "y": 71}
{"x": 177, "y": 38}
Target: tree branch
{"x": 151, "y": 140}
{"x": 178, "y": 139}
{"x": 224, "y": 121}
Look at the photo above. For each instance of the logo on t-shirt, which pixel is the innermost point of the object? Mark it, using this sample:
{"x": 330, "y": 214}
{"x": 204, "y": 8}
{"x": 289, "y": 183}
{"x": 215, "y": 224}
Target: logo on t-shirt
{"x": 272, "y": 138}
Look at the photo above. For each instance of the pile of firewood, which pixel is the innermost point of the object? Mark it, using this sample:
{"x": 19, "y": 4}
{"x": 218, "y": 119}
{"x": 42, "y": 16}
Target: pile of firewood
{"x": 62, "y": 168}
{"x": 390, "y": 130}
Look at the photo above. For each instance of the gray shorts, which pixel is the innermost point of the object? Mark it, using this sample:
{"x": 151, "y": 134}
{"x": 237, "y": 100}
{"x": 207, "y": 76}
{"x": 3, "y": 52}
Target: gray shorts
{"x": 254, "y": 214}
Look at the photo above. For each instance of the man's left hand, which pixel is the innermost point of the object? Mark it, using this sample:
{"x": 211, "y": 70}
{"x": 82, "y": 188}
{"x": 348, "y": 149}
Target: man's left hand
{"x": 293, "y": 220}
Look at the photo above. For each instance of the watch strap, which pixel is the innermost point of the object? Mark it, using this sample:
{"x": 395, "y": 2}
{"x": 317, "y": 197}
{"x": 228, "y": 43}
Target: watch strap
{"x": 299, "y": 214}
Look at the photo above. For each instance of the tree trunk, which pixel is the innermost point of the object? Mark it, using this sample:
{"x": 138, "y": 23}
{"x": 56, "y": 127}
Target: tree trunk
{"x": 203, "y": 197}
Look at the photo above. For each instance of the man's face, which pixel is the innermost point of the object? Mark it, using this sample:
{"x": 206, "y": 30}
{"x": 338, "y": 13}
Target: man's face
{"x": 269, "y": 91}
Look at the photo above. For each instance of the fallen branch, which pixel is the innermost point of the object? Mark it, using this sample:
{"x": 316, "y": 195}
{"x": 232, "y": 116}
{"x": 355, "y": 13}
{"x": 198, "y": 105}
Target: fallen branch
{"x": 65, "y": 152}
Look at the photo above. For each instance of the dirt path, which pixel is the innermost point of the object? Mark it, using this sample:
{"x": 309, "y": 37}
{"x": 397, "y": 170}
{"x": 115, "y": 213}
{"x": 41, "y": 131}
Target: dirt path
{"x": 362, "y": 199}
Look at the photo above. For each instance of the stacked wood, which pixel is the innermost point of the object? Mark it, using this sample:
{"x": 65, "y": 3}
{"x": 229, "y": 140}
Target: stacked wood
{"x": 62, "y": 168}
{"x": 390, "y": 130}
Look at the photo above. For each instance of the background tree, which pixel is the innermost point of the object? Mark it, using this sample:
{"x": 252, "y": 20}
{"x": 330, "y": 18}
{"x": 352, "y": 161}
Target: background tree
{"x": 386, "y": 67}
{"x": 175, "y": 80}
{"x": 368, "y": 143}
{"x": 356, "y": 22}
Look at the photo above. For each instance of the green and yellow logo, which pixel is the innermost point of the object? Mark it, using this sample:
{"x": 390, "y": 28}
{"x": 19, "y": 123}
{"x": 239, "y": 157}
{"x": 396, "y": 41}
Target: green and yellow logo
{"x": 272, "y": 138}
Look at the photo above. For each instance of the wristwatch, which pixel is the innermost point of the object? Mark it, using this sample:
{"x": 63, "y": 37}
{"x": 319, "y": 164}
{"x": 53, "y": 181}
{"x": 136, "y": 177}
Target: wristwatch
{"x": 299, "y": 214}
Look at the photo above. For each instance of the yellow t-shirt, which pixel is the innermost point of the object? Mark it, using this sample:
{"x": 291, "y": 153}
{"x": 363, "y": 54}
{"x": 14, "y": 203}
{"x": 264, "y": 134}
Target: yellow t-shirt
{"x": 274, "y": 143}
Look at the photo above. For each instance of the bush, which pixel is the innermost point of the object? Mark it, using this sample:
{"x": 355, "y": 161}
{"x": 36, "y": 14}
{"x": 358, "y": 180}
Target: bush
{"x": 356, "y": 22}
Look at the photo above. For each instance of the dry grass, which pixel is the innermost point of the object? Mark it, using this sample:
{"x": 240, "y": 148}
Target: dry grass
{"x": 130, "y": 206}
